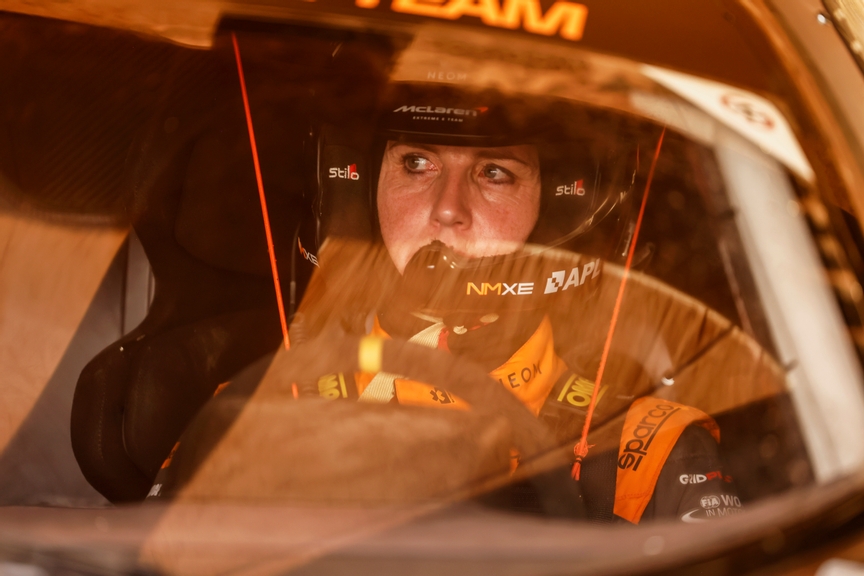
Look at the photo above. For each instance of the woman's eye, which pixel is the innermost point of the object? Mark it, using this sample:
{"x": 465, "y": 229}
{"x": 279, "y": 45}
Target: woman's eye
{"x": 497, "y": 173}
{"x": 416, "y": 163}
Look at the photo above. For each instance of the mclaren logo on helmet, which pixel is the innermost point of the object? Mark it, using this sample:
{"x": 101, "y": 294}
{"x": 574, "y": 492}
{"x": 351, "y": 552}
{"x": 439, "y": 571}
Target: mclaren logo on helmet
{"x": 442, "y": 110}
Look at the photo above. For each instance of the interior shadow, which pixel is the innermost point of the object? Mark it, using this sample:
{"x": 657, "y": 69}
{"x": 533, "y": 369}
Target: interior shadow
{"x": 38, "y": 466}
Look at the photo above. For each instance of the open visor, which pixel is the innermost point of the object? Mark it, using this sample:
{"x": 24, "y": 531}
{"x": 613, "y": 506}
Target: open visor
{"x": 587, "y": 161}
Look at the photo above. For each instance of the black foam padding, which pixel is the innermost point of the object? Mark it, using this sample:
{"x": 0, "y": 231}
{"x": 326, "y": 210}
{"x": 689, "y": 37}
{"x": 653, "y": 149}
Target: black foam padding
{"x": 192, "y": 197}
{"x": 97, "y": 426}
{"x": 135, "y": 398}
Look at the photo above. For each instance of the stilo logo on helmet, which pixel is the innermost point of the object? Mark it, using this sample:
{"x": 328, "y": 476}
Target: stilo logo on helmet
{"x": 577, "y": 188}
{"x": 347, "y": 173}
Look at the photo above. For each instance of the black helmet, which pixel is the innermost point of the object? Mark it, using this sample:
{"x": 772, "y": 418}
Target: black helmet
{"x": 586, "y": 172}
{"x": 586, "y": 179}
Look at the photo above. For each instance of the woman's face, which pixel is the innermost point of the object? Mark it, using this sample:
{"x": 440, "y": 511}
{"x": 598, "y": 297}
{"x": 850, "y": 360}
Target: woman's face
{"x": 479, "y": 201}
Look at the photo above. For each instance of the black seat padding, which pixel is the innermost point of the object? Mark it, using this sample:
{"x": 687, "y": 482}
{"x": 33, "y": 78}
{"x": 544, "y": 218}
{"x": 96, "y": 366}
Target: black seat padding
{"x": 194, "y": 204}
{"x": 134, "y": 399}
{"x": 209, "y": 318}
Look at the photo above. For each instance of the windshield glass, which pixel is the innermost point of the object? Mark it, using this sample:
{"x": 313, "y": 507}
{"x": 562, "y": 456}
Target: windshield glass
{"x": 399, "y": 276}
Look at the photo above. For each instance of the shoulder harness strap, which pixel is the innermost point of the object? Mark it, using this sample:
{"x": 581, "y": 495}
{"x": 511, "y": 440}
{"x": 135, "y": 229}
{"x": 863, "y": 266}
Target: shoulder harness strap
{"x": 651, "y": 429}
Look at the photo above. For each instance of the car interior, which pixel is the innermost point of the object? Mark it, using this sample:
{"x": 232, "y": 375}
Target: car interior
{"x": 152, "y": 138}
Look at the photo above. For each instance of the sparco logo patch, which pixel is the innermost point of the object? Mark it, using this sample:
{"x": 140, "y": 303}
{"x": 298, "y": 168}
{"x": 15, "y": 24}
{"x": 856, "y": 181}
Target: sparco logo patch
{"x": 636, "y": 448}
{"x": 347, "y": 173}
{"x": 577, "y": 277}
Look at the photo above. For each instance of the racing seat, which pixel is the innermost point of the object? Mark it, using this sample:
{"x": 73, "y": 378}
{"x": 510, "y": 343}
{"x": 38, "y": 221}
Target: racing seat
{"x": 194, "y": 206}
{"x": 196, "y": 212}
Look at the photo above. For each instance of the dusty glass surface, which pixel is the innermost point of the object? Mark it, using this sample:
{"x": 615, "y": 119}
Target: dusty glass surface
{"x": 514, "y": 282}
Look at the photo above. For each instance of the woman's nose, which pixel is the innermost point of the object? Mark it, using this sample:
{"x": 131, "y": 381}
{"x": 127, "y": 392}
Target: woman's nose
{"x": 452, "y": 202}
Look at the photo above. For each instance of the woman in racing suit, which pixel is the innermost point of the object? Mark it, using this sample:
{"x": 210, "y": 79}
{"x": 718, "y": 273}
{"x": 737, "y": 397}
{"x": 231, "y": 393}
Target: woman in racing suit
{"x": 462, "y": 180}
{"x": 467, "y": 192}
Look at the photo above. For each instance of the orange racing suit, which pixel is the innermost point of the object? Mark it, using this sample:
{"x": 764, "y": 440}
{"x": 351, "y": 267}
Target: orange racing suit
{"x": 665, "y": 463}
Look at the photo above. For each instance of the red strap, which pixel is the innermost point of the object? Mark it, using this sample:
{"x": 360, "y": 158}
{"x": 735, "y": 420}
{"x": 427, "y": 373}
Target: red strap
{"x": 442, "y": 339}
{"x": 581, "y": 449}
{"x": 260, "y": 181}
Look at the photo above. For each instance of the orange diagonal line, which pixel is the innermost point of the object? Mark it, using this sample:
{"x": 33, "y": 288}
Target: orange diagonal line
{"x": 581, "y": 449}
{"x": 261, "y": 196}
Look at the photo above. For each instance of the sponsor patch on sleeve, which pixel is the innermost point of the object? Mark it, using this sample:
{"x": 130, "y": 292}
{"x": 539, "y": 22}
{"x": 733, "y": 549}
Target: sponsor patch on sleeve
{"x": 713, "y": 506}
{"x": 651, "y": 429}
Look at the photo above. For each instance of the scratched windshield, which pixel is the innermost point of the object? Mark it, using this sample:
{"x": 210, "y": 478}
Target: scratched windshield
{"x": 387, "y": 276}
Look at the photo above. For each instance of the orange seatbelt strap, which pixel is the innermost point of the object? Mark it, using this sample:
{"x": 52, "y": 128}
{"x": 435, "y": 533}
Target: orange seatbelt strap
{"x": 580, "y": 450}
{"x": 530, "y": 374}
{"x": 265, "y": 214}
{"x": 651, "y": 429}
